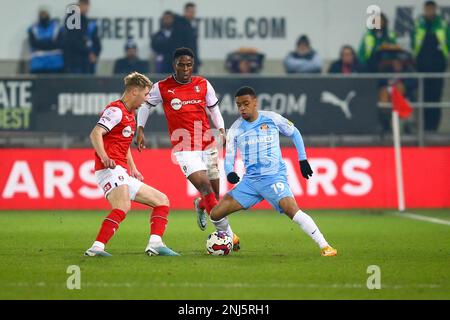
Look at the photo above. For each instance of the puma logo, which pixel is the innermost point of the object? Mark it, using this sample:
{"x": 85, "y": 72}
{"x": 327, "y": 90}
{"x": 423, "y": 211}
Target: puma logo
{"x": 328, "y": 97}
{"x": 171, "y": 91}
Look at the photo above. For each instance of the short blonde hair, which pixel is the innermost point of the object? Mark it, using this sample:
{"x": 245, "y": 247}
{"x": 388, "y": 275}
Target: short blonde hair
{"x": 136, "y": 79}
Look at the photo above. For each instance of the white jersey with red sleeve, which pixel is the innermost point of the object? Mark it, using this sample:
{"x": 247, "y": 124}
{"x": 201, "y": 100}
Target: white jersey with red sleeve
{"x": 185, "y": 106}
{"x": 120, "y": 125}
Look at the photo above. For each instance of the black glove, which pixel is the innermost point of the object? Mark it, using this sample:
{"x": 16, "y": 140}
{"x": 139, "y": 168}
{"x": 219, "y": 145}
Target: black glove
{"x": 305, "y": 168}
{"x": 233, "y": 178}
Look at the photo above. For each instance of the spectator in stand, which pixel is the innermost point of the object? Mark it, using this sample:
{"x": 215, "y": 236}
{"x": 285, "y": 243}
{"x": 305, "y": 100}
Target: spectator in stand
{"x": 304, "y": 59}
{"x": 82, "y": 46}
{"x": 430, "y": 44}
{"x": 347, "y": 62}
{"x": 244, "y": 60}
{"x": 131, "y": 62}
{"x": 186, "y": 31}
{"x": 45, "y": 40}
{"x": 375, "y": 43}
{"x": 164, "y": 43}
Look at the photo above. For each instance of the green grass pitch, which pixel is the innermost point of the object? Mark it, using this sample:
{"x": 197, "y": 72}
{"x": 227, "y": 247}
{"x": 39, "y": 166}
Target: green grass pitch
{"x": 277, "y": 260}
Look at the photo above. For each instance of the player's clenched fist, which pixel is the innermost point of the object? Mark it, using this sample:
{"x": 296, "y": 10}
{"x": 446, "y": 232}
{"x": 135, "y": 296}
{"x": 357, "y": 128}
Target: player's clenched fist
{"x": 108, "y": 163}
{"x": 136, "y": 174}
{"x": 305, "y": 168}
{"x": 140, "y": 140}
{"x": 233, "y": 178}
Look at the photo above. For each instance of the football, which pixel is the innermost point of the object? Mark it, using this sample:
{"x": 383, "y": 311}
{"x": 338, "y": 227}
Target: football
{"x": 219, "y": 243}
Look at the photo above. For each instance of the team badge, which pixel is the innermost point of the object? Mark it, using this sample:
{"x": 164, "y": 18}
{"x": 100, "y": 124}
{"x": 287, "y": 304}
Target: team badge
{"x": 121, "y": 178}
{"x": 197, "y": 89}
{"x": 106, "y": 187}
{"x": 264, "y": 126}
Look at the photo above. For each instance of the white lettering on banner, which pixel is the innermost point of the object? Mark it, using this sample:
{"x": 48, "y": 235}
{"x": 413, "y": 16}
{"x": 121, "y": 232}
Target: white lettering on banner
{"x": 86, "y": 173}
{"x": 363, "y": 179}
{"x": 323, "y": 178}
{"x": 81, "y": 104}
{"x": 61, "y": 182}
{"x": 56, "y": 175}
{"x": 282, "y": 103}
{"x": 15, "y": 94}
{"x": 272, "y": 28}
{"x": 20, "y": 180}
{"x": 325, "y": 173}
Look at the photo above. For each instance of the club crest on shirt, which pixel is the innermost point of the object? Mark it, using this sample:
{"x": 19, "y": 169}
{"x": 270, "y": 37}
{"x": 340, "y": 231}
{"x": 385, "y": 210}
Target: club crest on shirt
{"x": 121, "y": 178}
{"x": 197, "y": 89}
{"x": 264, "y": 127}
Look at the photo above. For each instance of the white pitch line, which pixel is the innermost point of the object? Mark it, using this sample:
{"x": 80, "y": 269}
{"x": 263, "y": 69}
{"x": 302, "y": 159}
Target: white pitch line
{"x": 421, "y": 218}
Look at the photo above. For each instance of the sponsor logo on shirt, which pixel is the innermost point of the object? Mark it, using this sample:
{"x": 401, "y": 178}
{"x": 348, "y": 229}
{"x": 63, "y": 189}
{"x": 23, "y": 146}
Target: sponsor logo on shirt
{"x": 106, "y": 187}
{"x": 127, "y": 132}
{"x": 259, "y": 139}
{"x": 177, "y": 103}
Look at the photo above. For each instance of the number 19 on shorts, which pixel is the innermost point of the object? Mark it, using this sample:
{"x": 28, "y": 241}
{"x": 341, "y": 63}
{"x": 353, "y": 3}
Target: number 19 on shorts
{"x": 278, "y": 187}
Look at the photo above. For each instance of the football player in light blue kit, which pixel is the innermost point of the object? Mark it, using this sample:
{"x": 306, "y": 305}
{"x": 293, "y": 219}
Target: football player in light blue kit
{"x": 256, "y": 135}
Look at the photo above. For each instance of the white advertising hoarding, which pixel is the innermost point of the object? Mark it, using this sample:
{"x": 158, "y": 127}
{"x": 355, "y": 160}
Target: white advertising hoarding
{"x": 272, "y": 27}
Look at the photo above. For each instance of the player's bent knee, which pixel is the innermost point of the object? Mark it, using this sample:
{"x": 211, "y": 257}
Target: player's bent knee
{"x": 163, "y": 200}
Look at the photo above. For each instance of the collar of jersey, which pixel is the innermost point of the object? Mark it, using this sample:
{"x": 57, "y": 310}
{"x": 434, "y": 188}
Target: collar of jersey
{"x": 175, "y": 78}
{"x": 249, "y": 124}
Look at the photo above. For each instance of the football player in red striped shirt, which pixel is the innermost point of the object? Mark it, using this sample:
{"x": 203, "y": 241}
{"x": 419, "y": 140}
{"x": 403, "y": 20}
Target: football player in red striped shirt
{"x": 186, "y": 101}
{"x": 116, "y": 172}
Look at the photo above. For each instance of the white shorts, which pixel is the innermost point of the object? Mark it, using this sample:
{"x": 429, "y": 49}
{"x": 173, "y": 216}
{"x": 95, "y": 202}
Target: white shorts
{"x": 193, "y": 161}
{"x": 108, "y": 179}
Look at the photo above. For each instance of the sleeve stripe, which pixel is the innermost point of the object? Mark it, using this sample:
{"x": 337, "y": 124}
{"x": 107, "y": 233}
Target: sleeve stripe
{"x": 215, "y": 104}
{"x": 149, "y": 104}
{"x": 103, "y": 126}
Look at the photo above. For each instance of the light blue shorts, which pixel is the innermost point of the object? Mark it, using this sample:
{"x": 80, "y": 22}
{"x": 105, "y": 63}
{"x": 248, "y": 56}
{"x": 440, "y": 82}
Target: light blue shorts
{"x": 251, "y": 191}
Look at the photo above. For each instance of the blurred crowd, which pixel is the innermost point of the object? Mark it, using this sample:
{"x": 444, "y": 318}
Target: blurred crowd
{"x": 56, "y": 48}
{"x": 62, "y": 48}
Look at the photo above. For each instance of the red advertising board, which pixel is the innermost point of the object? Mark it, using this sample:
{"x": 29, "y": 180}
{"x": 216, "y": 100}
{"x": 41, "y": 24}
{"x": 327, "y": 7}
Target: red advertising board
{"x": 343, "y": 178}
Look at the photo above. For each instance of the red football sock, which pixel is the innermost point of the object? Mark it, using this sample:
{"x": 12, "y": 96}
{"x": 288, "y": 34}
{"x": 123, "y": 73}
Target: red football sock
{"x": 110, "y": 225}
{"x": 158, "y": 220}
{"x": 210, "y": 202}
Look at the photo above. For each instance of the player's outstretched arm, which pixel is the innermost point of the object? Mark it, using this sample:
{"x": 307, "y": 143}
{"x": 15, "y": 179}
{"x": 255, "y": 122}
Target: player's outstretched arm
{"x": 96, "y": 137}
{"x": 134, "y": 172}
{"x": 142, "y": 117}
{"x": 288, "y": 129}
{"x": 218, "y": 122}
{"x": 305, "y": 168}
{"x": 152, "y": 100}
{"x": 140, "y": 139}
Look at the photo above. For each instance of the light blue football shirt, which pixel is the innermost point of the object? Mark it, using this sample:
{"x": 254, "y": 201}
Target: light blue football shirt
{"x": 259, "y": 144}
